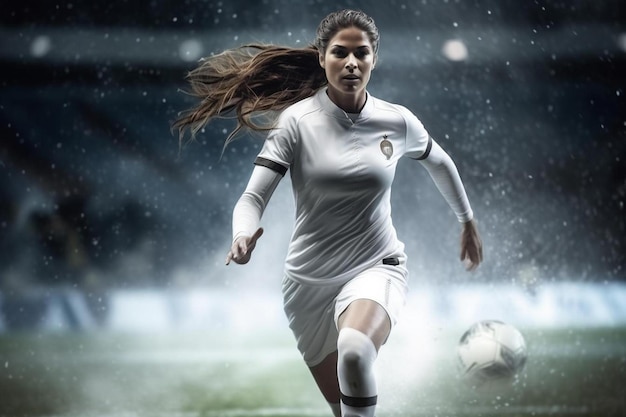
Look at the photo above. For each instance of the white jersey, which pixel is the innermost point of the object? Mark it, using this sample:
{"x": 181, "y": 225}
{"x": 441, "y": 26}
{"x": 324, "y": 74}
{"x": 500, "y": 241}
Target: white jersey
{"x": 342, "y": 169}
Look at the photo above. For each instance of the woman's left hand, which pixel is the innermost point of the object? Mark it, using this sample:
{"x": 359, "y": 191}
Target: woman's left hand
{"x": 471, "y": 246}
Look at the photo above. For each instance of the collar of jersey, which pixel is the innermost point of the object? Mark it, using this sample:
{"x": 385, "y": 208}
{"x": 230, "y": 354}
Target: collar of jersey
{"x": 337, "y": 112}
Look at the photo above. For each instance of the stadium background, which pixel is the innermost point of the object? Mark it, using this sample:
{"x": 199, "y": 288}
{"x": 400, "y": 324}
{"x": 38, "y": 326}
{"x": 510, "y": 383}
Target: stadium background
{"x": 109, "y": 229}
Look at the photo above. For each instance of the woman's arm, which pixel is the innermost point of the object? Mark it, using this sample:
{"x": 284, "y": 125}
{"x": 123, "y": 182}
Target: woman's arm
{"x": 444, "y": 173}
{"x": 446, "y": 177}
{"x": 248, "y": 212}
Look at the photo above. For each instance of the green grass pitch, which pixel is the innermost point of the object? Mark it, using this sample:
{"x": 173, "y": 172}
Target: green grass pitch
{"x": 575, "y": 372}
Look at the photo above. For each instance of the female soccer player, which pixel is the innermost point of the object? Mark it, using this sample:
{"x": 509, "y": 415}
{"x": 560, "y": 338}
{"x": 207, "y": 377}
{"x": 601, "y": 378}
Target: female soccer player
{"x": 345, "y": 274}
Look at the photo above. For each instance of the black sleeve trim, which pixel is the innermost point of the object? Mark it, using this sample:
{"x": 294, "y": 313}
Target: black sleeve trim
{"x": 427, "y": 151}
{"x": 271, "y": 165}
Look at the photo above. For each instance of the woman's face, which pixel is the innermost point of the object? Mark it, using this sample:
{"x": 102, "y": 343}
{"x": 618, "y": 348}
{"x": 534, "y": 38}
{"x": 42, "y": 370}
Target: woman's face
{"x": 348, "y": 63}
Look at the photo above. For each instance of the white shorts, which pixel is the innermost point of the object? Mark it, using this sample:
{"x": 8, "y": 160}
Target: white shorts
{"x": 313, "y": 310}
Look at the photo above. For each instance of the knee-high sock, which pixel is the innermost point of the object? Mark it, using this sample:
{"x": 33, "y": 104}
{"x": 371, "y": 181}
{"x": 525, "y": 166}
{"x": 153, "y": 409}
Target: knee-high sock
{"x": 355, "y": 370}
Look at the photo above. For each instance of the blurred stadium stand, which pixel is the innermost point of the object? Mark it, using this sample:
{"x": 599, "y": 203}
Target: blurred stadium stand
{"x": 96, "y": 194}
{"x": 556, "y": 305}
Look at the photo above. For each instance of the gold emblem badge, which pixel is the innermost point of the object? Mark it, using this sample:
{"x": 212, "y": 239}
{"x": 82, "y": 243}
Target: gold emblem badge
{"x": 386, "y": 147}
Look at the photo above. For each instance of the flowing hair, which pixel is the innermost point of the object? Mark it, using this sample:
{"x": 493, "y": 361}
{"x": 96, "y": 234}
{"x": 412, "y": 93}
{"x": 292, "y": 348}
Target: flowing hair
{"x": 262, "y": 79}
{"x": 250, "y": 80}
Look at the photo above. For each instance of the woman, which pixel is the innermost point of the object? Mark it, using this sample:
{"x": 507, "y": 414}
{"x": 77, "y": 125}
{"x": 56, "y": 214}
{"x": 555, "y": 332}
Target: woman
{"x": 345, "y": 274}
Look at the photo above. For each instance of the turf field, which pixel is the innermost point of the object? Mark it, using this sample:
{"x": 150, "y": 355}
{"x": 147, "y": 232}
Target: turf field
{"x": 578, "y": 372}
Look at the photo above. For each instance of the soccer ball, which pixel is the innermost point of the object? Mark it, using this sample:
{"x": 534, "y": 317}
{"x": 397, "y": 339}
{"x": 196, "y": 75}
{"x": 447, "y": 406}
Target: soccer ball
{"x": 491, "y": 352}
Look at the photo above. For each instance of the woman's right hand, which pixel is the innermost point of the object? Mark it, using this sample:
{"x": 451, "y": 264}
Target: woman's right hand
{"x": 242, "y": 248}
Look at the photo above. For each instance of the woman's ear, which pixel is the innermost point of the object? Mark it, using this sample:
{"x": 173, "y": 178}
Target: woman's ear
{"x": 321, "y": 59}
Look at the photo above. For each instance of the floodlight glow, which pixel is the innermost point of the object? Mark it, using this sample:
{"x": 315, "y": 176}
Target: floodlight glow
{"x": 455, "y": 50}
{"x": 40, "y": 46}
{"x": 190, "y": 50}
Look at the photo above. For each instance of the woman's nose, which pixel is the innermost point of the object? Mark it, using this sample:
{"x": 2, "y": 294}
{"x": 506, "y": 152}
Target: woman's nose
{"x": 351, "y": 64}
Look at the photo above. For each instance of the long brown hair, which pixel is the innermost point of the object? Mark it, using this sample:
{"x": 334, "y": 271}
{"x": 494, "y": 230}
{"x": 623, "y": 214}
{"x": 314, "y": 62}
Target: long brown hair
{"x": 259, "y": 78}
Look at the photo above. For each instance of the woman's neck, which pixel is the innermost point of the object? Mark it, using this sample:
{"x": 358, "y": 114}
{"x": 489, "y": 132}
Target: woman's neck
{"x": 350, "y": 103}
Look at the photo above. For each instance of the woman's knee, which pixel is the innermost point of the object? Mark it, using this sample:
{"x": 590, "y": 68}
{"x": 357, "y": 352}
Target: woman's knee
{"x": 355, "y": 349}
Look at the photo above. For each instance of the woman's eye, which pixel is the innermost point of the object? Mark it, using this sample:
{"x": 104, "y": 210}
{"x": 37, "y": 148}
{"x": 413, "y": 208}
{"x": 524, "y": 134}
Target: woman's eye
{"x": 342, "y": 53}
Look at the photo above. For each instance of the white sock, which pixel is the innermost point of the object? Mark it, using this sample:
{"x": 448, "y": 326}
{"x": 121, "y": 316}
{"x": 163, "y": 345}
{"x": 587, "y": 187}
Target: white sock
{"x": 336, "y": 407}
{"x": 355, "y": 370}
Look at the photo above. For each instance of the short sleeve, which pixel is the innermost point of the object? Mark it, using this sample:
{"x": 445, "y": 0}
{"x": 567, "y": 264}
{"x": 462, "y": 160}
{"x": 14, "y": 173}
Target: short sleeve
{"x": 279, "y": 146}
{"x": 418, "y": 141}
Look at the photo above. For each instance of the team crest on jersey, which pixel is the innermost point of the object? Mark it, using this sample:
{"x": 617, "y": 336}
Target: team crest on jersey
{"x": 386, "y": 147}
